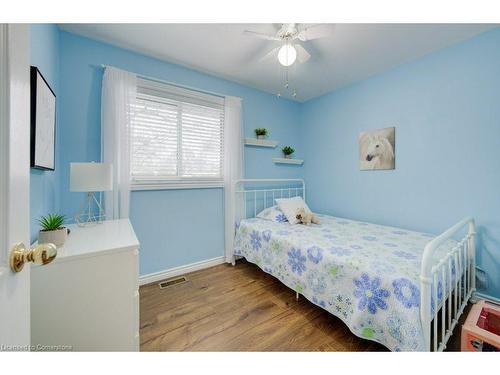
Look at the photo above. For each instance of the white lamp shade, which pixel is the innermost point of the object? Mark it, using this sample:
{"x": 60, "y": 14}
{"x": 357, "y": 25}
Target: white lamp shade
{"x": 91, "y": 177}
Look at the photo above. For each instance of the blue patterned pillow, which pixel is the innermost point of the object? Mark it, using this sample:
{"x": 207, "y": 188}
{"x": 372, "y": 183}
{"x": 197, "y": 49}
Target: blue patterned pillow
{"x": 274, "y": 214}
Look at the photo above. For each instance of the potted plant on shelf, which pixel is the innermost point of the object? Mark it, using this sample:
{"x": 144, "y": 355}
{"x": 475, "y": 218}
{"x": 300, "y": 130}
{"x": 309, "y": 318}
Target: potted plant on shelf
{"x": 288, "y": 151}
{"x": 260, "y": 133}
{"x": 52, "y": 230}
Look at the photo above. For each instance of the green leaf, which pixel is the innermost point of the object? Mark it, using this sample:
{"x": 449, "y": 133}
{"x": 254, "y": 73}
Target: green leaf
{"x": 51, "y": 222}
{"x": 260, "y": 131}
{"x": 288, "y": 150}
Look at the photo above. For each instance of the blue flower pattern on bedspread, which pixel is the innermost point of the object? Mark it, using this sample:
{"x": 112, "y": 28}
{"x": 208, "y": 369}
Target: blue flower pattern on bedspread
{"x": 370, "y": 294}
{"x": 255, "y": 240}
{"x": 315, "y": 254}
{"x": 281, "y": 218}
{"x": 406, "y": 292}
{"x": 405, "y": 254}
{"x": 340, "y": 251}
{"x": 266, "y": 235}
{"x": 365, "y": 274}
{"x": 297, "y": 261}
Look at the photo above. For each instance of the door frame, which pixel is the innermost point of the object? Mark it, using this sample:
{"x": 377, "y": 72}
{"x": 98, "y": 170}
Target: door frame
{"x": 14, "y": 183}
{"x": 4, "y": 142}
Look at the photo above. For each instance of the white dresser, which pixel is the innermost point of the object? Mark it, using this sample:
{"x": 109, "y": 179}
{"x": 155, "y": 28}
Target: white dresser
{"x": 88, "y": 297}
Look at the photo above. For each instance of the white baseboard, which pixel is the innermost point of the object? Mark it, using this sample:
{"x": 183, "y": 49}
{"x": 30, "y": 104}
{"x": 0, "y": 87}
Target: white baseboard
{"x": 487, "y": 297}
{"x": 176, "y": 271}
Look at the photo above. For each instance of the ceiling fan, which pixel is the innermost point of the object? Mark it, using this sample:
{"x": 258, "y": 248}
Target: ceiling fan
{"x": 290, "y": 34}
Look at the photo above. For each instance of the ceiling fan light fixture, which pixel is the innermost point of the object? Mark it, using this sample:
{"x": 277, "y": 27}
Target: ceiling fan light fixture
{"x": 287, "y": 54}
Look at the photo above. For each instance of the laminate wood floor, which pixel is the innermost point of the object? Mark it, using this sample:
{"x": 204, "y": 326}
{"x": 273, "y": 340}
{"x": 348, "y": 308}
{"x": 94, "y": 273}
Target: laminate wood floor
{"x": 241, "y": 308}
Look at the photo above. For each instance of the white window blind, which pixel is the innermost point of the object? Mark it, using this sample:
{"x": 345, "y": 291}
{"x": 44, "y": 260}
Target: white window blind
{"x": 177, "y": 137}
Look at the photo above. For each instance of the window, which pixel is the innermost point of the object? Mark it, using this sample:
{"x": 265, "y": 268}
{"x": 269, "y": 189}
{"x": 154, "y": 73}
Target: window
{"x": 177, "y": 137}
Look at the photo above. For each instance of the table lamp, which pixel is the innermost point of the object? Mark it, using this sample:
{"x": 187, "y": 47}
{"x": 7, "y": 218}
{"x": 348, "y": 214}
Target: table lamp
{"x": 90, "y": 178}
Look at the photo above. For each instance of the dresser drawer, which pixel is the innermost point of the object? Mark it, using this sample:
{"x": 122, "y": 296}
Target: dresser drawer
{"x": 90, "y": 303}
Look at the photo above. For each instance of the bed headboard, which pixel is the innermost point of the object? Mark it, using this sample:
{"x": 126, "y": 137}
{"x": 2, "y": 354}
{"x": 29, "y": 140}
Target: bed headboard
{"x": 254, "y": 195}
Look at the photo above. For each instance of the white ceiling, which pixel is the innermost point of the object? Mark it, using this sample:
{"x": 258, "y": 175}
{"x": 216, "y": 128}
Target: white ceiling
{"x": 352, "y": 52}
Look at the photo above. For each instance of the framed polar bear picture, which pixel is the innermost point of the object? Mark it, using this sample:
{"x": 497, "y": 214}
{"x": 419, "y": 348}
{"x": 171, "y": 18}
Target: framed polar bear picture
{"x": 43, "y": 122}
{"x": 377, "y": 149}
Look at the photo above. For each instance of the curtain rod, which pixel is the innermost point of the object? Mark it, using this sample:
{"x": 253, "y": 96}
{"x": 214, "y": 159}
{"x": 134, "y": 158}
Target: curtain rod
{"x": 166, "y": 82}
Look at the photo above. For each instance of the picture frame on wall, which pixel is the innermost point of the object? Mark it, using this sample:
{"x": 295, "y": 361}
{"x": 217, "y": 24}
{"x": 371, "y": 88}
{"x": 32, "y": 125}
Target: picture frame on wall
{"x": 377, "y": 149}
{"x": 43, "y": 122}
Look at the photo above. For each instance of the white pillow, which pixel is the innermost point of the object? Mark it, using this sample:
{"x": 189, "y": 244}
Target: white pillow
{"x": 289, "y": 206}
{"x": 274, "y": 214}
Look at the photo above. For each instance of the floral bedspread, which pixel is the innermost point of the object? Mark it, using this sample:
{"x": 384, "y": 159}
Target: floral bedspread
{"x": 365, "y": 274}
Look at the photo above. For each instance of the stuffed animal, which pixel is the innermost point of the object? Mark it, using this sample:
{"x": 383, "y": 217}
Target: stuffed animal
{"x": 305, "y": 217}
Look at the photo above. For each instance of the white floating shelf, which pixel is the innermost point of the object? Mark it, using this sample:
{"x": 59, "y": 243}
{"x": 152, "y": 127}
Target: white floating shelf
{"x": 260, "y": 142}
{"x": 288, "y": 161}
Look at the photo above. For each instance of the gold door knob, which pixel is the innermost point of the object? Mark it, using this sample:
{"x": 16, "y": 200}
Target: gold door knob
{"x": 41, "y": 254}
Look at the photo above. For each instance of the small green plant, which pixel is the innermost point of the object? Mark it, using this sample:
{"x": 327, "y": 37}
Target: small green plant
{"x": 261, "y": 132}
{"x": 51, "y": 222}
{"x": 287, "y": 150}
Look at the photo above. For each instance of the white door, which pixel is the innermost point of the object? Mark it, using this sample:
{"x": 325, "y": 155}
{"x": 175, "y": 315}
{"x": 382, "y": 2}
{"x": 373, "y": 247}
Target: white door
{"x": 14, "y": 183}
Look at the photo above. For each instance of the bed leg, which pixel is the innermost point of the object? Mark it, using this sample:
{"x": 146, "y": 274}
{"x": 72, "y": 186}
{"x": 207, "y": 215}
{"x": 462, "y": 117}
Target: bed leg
{"x": 296, "y": 296}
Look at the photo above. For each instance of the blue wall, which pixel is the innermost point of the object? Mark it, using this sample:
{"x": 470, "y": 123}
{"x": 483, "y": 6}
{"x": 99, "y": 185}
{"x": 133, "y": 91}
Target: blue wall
{"x": 44, "y": 186}
{"x": 444, "y": 107}
{"x": 174, "y": 227}
{"x": 446, "y": 110}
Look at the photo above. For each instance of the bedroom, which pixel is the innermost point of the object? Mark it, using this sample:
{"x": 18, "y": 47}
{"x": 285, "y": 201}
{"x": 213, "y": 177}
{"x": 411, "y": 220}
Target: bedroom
{"x": 188, "y": 159}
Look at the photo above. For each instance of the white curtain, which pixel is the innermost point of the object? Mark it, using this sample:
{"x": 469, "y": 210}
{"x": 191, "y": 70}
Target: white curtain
{"x": 118, "y": 95}
{"x": 233, "y": 167}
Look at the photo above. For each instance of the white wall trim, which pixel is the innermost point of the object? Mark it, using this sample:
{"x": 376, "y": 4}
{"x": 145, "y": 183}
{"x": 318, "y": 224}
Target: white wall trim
{"x": 486, "y": 297}
{"x": 176, "y": 271}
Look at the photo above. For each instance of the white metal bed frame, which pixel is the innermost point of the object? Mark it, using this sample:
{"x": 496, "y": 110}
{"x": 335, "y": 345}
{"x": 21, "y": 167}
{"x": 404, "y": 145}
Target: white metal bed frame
{"x": 437, "y": 325}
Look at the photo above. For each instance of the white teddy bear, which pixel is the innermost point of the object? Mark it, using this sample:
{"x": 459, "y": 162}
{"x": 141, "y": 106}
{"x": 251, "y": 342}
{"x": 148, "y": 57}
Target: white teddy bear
{"x": 305, "y": 217}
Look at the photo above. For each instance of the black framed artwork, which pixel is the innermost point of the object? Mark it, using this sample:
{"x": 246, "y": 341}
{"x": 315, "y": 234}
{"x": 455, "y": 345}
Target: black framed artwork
{"x": 43, "y": 122}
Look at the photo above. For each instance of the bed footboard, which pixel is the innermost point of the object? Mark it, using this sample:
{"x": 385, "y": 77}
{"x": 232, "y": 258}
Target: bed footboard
{"x": 447, "y": 285}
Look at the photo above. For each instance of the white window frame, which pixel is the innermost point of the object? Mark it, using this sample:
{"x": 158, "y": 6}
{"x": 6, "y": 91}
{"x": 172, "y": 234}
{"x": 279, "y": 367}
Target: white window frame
{"x": 176, "y": 93}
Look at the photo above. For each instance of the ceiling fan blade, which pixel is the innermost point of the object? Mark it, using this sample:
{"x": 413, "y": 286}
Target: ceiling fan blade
{"x": 302, "y": 54}
{"x": 272, "y": 54}
{"x": 316, "y": 32}
{"x": 260, "y": 35}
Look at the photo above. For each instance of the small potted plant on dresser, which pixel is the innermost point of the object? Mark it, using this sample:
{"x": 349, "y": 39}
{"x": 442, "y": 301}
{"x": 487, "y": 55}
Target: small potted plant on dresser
{"x": 52, "y": 230}
{"x": 288, "y": 151}
{"x": 260, "y": 133}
